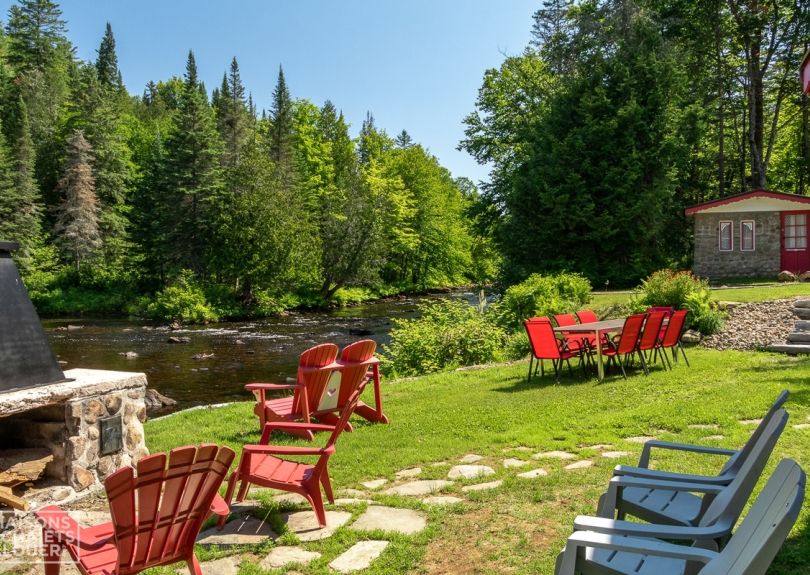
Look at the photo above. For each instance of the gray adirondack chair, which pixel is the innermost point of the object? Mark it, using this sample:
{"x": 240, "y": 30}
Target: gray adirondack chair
{"x": 727, "y": 472}
{"x": 749, "y": 552}
{"x": 672, "y": 507}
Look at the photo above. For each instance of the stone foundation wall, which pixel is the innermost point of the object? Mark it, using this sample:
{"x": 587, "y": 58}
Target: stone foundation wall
{"x": 764, "y": 261}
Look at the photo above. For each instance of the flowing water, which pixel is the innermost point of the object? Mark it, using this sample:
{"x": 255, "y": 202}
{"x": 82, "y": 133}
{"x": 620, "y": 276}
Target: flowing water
{"x": 233, "y": 353}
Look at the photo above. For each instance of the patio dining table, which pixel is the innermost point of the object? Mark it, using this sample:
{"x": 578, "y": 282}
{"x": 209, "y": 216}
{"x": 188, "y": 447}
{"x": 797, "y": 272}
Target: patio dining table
{"x": 597, "y": 329}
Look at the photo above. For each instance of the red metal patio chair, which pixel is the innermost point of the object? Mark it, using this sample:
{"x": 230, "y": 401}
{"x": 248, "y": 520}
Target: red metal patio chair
{"x": 545, "y": 345}
{"x": 309, "y": 384}
{"x": 157, "y": 512}
{"x": 622, "y": 348}
{"x": 672, "y": 336}
{"x": 587, "y": 316}
{"x": 650, "y": 339}
{"x": 261, "y": 464}
{"x": 574, "y": 342}
{"x": 667, "y": 314}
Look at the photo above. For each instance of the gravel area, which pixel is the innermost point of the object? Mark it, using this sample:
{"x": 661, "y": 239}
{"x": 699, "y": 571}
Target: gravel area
{"x": 754, "y": 325}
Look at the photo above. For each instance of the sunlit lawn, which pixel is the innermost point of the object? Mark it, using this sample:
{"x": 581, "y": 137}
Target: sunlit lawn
{"x": 521, "y": 526}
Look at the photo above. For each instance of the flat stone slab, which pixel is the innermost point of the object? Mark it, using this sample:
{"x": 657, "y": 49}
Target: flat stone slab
{"x": 749, "y": 421}
{"x": 615, "y": 454}
{"x": 419, "y": 487}
{"x": 471, "y": 458}
{"x": 639, "y": 439}
{"x": 790, "y": 348}
{"x": 802, "y": 426}
{"x": 291, "y": 499}
{"x": 374, "y": 484}
{"x": 508, "y": 463}
{"x": 439, "y": 464}
{"x": 442, "y": 500}
{"x": 554, "y": 454}
{"x": 482, "y": 486}
{"x": 248, "y": 530}
{"x": 281, "y": 556}
{"x": 406, "y": 473}
{"x": 579, "y": 464}
{"x": 305, "y": 525}
{"x": 221, "y": 566}
{"x": 714, "y": 437}
{"x": 703, "y": 426}
{"x": 469, "y": 471}
{"x": 353, "y": 492}
{"x": 358, "y": 556}
{"x": 391, "y": 519}
{"x": 533, "y": 474}
{"x": 351, "y": 501}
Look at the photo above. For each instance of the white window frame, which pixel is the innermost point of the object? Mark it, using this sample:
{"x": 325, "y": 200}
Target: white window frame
{"x": 720, "y": 235}
{"x": 793, "y": 225}
{"x": 753, "y": 236}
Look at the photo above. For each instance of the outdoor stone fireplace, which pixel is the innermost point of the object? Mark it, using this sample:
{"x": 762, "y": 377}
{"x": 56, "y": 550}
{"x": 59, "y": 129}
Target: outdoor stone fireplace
{"x": 91, "y": 425}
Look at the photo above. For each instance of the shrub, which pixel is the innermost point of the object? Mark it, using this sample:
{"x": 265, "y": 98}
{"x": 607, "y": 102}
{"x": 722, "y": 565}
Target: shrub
{"x": 705, "y": 317}
{"x": 448, "y": 334}
{"x": 682, "y": 290}
{"x": 183, "y": 301}
{"x": 542, "y": 295}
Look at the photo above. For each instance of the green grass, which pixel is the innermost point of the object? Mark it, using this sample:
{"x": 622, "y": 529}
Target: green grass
{"x": 521, "y": 526}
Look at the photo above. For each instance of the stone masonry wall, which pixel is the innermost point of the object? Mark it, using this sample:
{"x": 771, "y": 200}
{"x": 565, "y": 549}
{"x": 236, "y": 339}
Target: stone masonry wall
{"x": 765, "y": 260}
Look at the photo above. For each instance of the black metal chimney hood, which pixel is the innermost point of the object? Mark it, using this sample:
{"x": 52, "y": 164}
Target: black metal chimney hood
{"x": 26, "y": 357}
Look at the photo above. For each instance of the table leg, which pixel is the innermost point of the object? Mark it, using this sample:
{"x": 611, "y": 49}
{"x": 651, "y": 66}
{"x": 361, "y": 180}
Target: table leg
{"x": 599, "y": 365}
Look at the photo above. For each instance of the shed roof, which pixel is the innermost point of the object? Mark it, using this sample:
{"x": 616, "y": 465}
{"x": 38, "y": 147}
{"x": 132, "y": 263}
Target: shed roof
{"x": 753, "y": 201}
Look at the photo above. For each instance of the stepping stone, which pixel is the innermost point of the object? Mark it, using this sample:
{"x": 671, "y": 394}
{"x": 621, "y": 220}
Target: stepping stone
{"x": 390, "y": 519}
{"x": 533, "y": 474}
{"x": 358, "y": 556}
{"x": 802, "y": 426}
{"x": 406, "y": 473}
{"x": 305, "y": 525}
{"x": 353, "y": 492}
{"x": 598, "y": 446}
{"x": 246, "y": 505}
{"x": 514, "y": 463}
{"x": 639, "y": 439}
{"x": 554, "y": 454}
{"x": 439, "y": 464}
{"x": 749, "y": 421}
{"x": 374, "y": 484}
{"x": 714, "y": 437}
{"x": 615, "y": 454}
{"x": 281, "y": 556}
{"x": 579, "y": 464}
{"x": 240, "y": 531}
{"x": 442, "y": 500}
{"x": 291, "y": 499}
{"x": 703, "y": 426}
{"x": 418, "y": 488}
{"x": 351, "y": 501}
{"x": 471, "y": 458}
{"x": 482, "y": 486}
{"x": 221, "y": 566}
{"x": 469, "y": 471}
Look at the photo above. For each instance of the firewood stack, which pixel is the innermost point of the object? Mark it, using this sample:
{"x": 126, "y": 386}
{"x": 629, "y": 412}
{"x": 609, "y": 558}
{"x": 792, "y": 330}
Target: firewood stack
{"x": 20, "y": 467}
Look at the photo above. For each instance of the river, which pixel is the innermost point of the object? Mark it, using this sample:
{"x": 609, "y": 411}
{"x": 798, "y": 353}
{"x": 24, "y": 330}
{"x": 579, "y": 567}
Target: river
{"x": 235, "y": 352}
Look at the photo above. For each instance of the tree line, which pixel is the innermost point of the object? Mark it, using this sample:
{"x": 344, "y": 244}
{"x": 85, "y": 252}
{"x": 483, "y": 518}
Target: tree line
{"x": 109, "y": 191}
{"x": 621, "y": 113}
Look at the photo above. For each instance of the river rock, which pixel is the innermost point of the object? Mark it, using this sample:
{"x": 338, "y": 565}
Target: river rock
{"x": 156, "y": 400}
{"x": 202, "y": 356}
{"x": 129, "y": 354}
{"x": 753, "y": 326}
{"x": 175, "y": 339}
{"x": 786, "y": 276}
{"x": 691, "y": 336}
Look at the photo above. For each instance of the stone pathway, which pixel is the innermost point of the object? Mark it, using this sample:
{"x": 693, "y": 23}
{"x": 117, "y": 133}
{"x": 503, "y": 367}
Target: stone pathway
{"x": 749, "y": 421}
{"x": 442, "y": 500}
{"x": 714, "y": 437}
{"x": 703, "y": 426}
{"x": 374, "y": 484}
{"x": 471, "y": 458}
{"x": 554, "y": 454}
{"x": 509, "y": 463}
{"x": 482, "y": 486}
{"x": 578, "y": 465}
{"x": 358, "y": 556}
{"x": 533, "y": 474}
{"x": 281, "y": 556}
{"x": 418, "y": 488}
{"x": 305, "y": 525}
{"x": 615, "y": 454}
{"x": 639, "y": 439}
{"x": 247, "y": 530}
{"x": 406, "y": 473}
{"x": 390, "y": 519}
{"x": 469, "y": 471}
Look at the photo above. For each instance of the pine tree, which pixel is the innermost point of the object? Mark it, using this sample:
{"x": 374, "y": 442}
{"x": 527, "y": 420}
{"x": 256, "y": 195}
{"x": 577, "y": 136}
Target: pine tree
{"x": 107, "y": 62}
{"x": 372, "y": 142}
{"x": 403, "y": 140}
{"x": 77, "y": 229}
{"x": 232, "y": 114}
{"x": 35, "y": 30}
{"x": 281, "y": 116}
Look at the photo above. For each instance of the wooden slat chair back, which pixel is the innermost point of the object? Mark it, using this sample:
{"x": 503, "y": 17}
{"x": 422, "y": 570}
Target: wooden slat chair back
{"x": 157, "y": 511}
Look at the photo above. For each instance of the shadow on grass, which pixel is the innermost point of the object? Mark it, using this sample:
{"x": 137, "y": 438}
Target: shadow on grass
{"x": 794, "y": 557}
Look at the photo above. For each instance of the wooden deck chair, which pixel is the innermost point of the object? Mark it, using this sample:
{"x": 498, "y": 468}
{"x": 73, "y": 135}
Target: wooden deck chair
{"x": 726, "y": 474}
{"x": 750, "y": 550}
{"x": 309, "y": 383}
{"x": 356, "y": 362}
{"x": 157, "y": 511}
{"x": 263, "y": 465}
{"x": 673, "y": 509}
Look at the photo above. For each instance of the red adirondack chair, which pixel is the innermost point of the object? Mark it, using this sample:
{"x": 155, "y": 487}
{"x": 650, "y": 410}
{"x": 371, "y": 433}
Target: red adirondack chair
{"x": 672, "y": 336}
{"x": 156, "y": 515}
{"x": 545, "y": 345}
{"x": 260, "y": 464}
{"x": 649, "y": 340}
{"x": 310, "y": 382}
{"x": 626, "y": 344}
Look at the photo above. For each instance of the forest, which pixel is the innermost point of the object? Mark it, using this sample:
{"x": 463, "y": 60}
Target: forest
{"x": 187, "y": 202}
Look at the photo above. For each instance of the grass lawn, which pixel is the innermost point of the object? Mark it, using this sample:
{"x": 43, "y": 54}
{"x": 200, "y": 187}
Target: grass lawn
{"x": 522, "y": 525}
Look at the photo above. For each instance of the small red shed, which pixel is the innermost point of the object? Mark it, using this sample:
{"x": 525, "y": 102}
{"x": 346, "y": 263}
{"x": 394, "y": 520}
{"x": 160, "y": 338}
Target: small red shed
{"x": 805, "y": 73}
{"x": 752, "y": 234}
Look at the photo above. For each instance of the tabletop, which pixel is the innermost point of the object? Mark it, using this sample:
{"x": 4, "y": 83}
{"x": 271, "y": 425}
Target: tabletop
{"x": 605, "y": 325}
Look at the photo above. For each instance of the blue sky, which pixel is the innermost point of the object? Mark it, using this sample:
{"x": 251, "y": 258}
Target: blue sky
{"x": 416, "y": 64}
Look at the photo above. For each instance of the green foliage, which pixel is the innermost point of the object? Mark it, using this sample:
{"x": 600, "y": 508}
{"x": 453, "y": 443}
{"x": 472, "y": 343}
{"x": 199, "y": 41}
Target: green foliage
{"x": 541, "y": 295}
{"x": 681, "y": 290}
{"x": 706, "y": 318}
{"x": 448, "y": 334}
{"x": 183, "y": 301}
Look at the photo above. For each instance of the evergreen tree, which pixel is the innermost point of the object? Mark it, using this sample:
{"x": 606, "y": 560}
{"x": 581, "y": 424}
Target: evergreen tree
{"x": 372, "y": 143}
{"x": 77, "y": 229}
{"x": 232, "y": 114}
{"x": 403, "y": 140}
{"x": 281, "y": 117}
{"x": 36, "y": 31}
{"x": 107, "y": 62}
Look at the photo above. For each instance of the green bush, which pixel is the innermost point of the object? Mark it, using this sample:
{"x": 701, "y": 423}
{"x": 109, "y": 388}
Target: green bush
{"x": 516, "y": 346}
{"x": 448, "y": 334}
{"x": 183, "y": 301}
{"x": 681, "y": 290}
{"x": 541, "y": 295}
{"x": 705, "y": 317}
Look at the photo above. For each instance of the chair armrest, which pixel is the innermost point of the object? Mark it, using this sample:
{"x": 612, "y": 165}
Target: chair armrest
{"x": 219, "y": 506}
{"x": 644, "y": 460}
{"x": 296, "y": 426}
{"x": 283, "y": 450}
{"x": 584, "y": 539}
{"x": 258, "y": 386}
{"x": 676, "y": 532}
{"x": 65, "y": 528}
{"x": 643, "y": 472}
{"x": 610, "y": 499}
